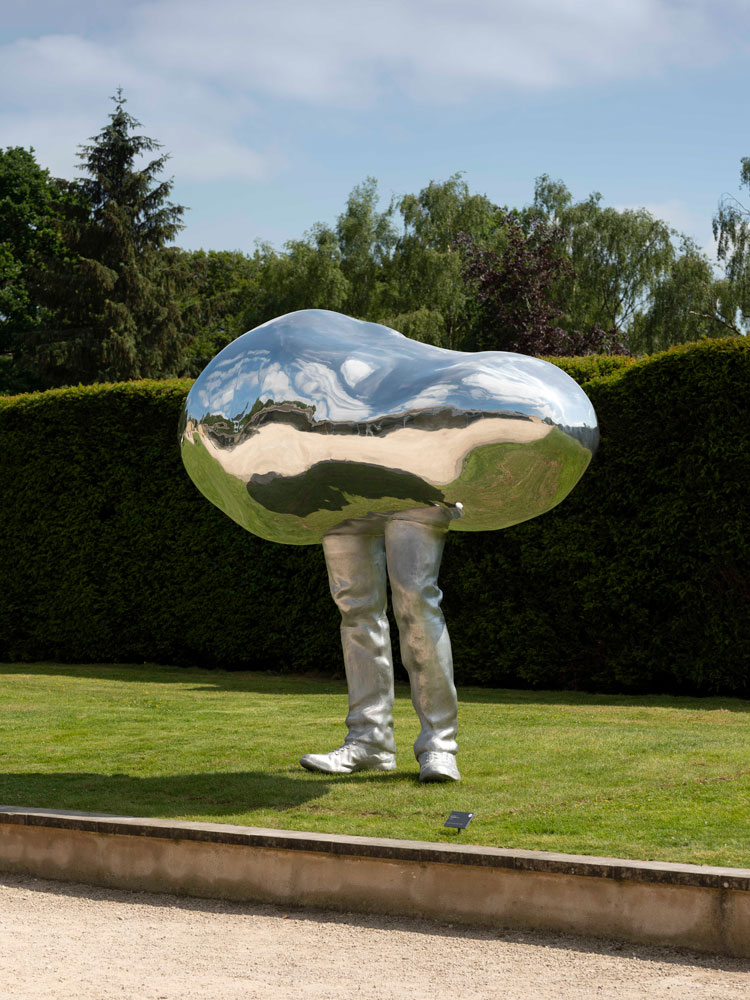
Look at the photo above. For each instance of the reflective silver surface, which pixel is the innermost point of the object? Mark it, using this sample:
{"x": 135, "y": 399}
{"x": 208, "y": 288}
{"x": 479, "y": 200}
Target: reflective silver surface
{"x": 314, "y": 418}
{"x": 358, "y": 559}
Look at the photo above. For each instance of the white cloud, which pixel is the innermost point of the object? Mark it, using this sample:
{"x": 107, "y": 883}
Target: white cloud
{"x": 345, "y": 53}
{"x": 55, "y": 90}
{"x": 196, "y": 73}
{"x": 58, "y": 66}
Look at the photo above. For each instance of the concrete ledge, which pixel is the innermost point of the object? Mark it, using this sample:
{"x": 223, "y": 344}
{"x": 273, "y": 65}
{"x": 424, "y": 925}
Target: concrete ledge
{"x": 692, "y": 906}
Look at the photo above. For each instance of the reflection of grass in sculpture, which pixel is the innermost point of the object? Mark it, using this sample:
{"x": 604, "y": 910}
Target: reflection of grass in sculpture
{"x": 231, "y": 496}
{"x": 640, "y": 777}
{"x": 225, "y": 491}
{"x": 503, "y": 484}
{"x": 499, "y": 485}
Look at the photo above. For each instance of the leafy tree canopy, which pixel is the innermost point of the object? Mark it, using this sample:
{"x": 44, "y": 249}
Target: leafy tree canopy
{"x": 632, "y": 274}
{"x": 92, "y": 287}
{"x": 31, "y": 206}
{"x": 516, "y": 310}
{"x": 731, "y": 227}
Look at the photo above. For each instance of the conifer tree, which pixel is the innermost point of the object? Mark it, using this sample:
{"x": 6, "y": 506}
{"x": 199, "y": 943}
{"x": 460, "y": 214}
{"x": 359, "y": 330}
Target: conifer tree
{"x": 114, "y": 300}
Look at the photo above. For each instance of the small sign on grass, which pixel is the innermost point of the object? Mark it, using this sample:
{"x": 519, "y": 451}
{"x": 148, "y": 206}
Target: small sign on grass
{"x": 459, "y": 821}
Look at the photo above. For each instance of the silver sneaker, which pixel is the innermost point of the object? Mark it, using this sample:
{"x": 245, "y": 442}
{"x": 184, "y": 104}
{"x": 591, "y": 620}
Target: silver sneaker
{"x": 350, "y": 757}
{"x": 435, "y": 765}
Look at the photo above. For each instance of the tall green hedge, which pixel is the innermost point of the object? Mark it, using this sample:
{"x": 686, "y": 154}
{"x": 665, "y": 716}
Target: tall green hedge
{"x": 639, "y": 581}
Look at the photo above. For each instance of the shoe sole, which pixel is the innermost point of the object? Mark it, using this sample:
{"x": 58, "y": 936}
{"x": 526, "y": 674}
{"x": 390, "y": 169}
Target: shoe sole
{"x": 389, "y": 765}
{"x": 435, "y": 777}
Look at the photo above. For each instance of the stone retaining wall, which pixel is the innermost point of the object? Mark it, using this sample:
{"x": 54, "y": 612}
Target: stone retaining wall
{"x": 692, "y": 906}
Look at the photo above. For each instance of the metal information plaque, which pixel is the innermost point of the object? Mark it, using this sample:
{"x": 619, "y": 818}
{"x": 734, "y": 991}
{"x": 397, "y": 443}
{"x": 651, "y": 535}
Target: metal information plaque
{"x": 459, "y": 821}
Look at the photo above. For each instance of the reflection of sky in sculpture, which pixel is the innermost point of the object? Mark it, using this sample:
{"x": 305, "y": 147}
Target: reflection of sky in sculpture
{"x": 350, "y": 379}
{"x": 315, "y": 372}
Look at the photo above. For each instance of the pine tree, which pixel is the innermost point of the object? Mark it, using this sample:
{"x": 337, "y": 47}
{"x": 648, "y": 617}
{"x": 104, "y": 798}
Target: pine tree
{"x": 114, "y": 301}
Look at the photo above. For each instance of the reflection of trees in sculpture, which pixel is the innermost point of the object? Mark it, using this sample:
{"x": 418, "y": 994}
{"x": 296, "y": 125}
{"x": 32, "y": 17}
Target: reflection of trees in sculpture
{"x": 328, "y": 485}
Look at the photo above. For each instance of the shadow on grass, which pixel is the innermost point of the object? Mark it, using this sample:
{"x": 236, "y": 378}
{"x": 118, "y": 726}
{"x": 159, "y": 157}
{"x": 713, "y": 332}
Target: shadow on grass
{"x": 203, "y": 678}
{"x": 163, "y": 796}
{"x": 257, "y": 682}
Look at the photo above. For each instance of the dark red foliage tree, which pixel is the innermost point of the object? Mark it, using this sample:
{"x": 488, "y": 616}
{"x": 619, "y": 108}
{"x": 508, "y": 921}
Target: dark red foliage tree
{"x": 514, "y": 292}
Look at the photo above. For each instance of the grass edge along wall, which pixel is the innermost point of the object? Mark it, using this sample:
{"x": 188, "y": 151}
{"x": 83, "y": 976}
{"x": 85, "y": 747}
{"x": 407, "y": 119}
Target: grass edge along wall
{"x": 639, "y": 581}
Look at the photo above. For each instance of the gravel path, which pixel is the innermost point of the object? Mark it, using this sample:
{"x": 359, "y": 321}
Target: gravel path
{"x": 83, "y": 943}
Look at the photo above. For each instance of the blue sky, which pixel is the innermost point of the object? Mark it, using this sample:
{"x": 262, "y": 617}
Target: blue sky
{"x": 273, "y": 111}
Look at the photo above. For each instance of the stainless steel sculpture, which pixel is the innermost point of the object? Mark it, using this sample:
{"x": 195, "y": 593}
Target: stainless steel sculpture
{"x": 316, "y": 427}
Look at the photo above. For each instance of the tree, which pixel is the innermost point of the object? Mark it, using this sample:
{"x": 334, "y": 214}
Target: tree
{"x": 31, "y": 203}
{"x": 306, "y": 275}
{"x": 731, "y": 227}
{"x": 513, "y": 287}
{"x": 366, "y": 238}
{"x": 635, "y": 276}
{"x": 426, "y": 287}
{"x": 113, "y": 303}
{"x": 217, "y": 287}
{"x": 687, "y": 304}
{"x": 617, "y": 257}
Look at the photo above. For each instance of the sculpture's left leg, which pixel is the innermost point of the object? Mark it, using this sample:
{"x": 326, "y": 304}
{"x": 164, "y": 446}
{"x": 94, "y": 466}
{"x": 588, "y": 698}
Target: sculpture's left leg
{"x": 355, "y": 557}
{"x": 414, "y": 550}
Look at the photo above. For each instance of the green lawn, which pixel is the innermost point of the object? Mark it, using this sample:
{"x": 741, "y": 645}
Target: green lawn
{"x": 634, "y": 777}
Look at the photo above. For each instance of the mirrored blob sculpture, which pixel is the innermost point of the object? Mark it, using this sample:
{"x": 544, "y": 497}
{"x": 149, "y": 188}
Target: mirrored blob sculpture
{"x": 315, "y": 418}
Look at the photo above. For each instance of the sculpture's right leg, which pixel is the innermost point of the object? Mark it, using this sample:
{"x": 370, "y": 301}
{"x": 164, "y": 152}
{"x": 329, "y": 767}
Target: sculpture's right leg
{"x": 357, "y": 577}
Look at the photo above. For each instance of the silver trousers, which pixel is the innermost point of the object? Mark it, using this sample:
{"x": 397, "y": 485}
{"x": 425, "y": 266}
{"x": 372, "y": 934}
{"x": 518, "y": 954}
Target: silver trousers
{"x": 360, "y": 555}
